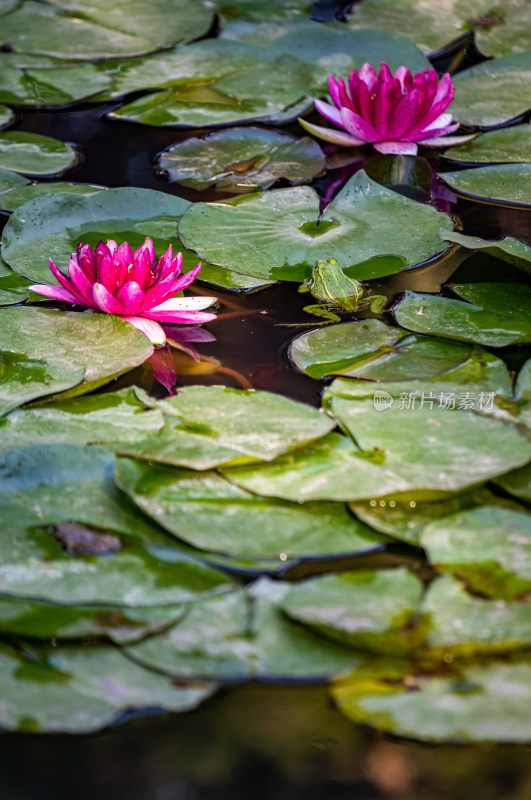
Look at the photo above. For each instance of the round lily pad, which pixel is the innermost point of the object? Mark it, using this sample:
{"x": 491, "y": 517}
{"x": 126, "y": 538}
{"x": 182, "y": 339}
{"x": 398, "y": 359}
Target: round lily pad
{"x": 241, "y": 160}
{"x": 507, "y": 145}
{"x": 357, "y": 225}
{"x": 211, "y": 514}
{"x": 97, "y": 31}
{"x": 82, "y": 689}
{"x": 493, "y": 92}
{"x": 33, "y": 154}
{"x": 480, "y": 704}
{"x": 504, "y": 183}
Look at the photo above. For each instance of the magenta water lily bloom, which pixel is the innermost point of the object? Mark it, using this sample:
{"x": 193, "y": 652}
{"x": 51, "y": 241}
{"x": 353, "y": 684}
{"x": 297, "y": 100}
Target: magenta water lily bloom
{"x": 131, "y": 285}
{"x": 394, "y": 113}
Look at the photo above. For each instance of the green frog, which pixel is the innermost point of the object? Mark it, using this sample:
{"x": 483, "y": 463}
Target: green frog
{"x": 337, "y": 293}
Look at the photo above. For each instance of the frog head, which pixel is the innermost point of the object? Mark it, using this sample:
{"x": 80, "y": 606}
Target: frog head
{"x": 329, "y": 283}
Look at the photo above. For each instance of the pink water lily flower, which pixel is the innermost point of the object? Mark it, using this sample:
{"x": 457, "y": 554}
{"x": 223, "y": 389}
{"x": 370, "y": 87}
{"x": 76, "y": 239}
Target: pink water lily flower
{"x": 131, "y": 286}
{"x": 394, "y": 113}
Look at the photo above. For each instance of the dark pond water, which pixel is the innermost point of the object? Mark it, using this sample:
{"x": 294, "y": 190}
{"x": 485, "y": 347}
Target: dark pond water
{"x": 260, "y": 741}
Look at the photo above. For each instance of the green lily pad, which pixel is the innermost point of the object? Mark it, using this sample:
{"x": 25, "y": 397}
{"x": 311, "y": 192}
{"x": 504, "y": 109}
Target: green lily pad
{"x": 505, "y": 183}
{"x": 508, "y": 249}
{"x": 33, "y": 154}
{"x": 102, "y": 345}
{"x": 375, "y": 610}
{"x": 120, "y": 625}
{"x": 356, "y": 226}
{"x": 7, "y": 117}
{"x": 507, "y": 145}
{"x": 270, "y": 91}
{"x": 210, "y": 513}
{"x": 337, "y": 348}
{"x": 493, "y": 92}
{"x": 26, "y": 378}
{"x": 330, "y": 48}
{"x": 427, "y": 450}
{"x": 116, "y": 417}
{"x": 52, "y": 226}
{"x": 79, "y": 690}
{"x": 32, "y": 81}
{"x": 99, "y": 31}
{"x": 211, "y": 425}
{"x": 495, "y": 315}
{"x": 263, "y": 10}
{"x": 241, "y": 160}
{"x": 482, "y": 704}
{"x": 406, "y": 519}
{"x": 71, "y": 483}
{"x": 13, "y": 288}
{"x": 467, "y": 625}
{"x": 19, "y": 195}
{"x": 421, "y": 22}
{"x": 241, "y": 635}
{"x": 511, "y": 31}
{"x": 517, "y": 482}
{"x": 489, "y": 547}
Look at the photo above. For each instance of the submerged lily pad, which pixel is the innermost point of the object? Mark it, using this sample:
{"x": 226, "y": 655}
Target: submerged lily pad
{"x": 507, "y": 145}
{"x": 116, "y": 417}
{"x": 508, "y": 249}
{"x": 211, "y": 425}
{"x": 357, "y": 225}
{"x": 495, "y": 315}
{"x": 79, "y": 690}
{"x": 210, "y": 513}
{"x": 505, "y": 183}
{"x": 33, "y": 154}
{"x": 375, "y": 610}
{"x": 102, "y": 345}
{"x": 489, "y": 547}
{"x": 242, "y": 635}
{"x": 241, "y": 160}
{"x": 493, "y": 92}
{"x": 480, "y": 704}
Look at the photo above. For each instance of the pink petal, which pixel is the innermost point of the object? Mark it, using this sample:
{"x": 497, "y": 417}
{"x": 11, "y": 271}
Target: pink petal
{"x": 67, "y": 284}
{"x": 329, "y": 112}
{"x": 149, "y": 247}
{"x": 368, "y": 75}
{"x": 184, "y": 303}
{"x": 402, "y": 115}
{"x": 150, "y": 328}
{"x": 80, "y": 281}
{"x": 105, "y": 301}
{"x": 107, "y": 273}
{"x": 112, "y": 246}
{"x": 331, "y": 135}
{"x": 447, "y": 141}
{"x": 358, "y": 127}
{"x": 333, "y": 90}
{"x": 396, "y": 148}
{"x": 163, "y": 368}
{"x": 131, "y": 296}
{"x": 55, "y": 293}
{"x": 87, "y": 260}
{"x": 431, "y": 134}
{"x": 140, "y": 272}
{"x": 180, "y": 317}
{"x": 185, "y": 280}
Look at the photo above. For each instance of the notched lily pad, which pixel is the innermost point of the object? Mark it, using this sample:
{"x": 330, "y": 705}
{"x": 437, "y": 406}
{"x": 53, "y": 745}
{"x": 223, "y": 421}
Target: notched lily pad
{"x": 241, "y": 160}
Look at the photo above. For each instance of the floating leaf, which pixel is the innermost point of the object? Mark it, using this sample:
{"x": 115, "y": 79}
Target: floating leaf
{"x": 79, "y": 690}
{"x": 211, "y": 425}
{"x": 26, "y": 378}
{"x": 13, "y": 288}
{"x": 116, "y": 417}
{"x": 482, "y": 704}
{"x": 507, "y": 249}
{"x": 263, "y": 10}
{"x": 496, "y": 314}
{"x": 211, "y": 514}
{"x": 33, "y": 154}
{"x": 506, "y": 145}
{"x": 40, "y": 81}
{"x": 19, "y": 195}
{"x": 6, "y": 117}
{"x": 357, "y": 225}
{"x": 241, "y": 160}
{"x": 375, "y": 610}
{"x": 493, "y": 92}
{"x": 240, "y": 635}
{"x": 510, "y": 31}
{"x": 517, "y": 482}
{"x": 505, "y": 183}
{"x": 489, "y": 547}
{"x": 102, "y": 345}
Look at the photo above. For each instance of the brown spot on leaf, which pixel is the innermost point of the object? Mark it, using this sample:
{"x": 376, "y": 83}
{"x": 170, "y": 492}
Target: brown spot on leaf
{"x": 78, "y": 540}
